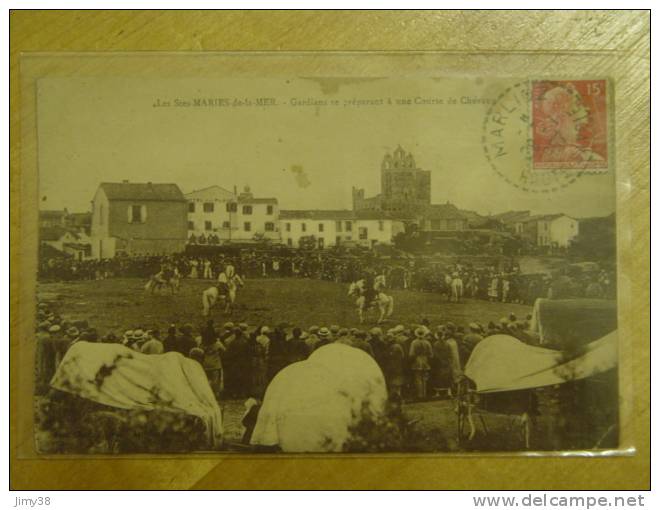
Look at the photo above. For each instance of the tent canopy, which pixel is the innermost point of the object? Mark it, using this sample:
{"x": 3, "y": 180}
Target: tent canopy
{"x": 503, "y": 363}
{"x": 310, "y": 406}
{"x": 117, "y": 376}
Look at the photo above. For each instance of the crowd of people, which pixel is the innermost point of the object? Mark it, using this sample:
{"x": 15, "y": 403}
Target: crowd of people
{"x": 418, "y": 361}
{"x": 492, "y": 282}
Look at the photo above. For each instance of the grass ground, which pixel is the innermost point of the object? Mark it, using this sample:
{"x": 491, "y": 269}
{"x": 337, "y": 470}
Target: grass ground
{"x": 120, "y": 304}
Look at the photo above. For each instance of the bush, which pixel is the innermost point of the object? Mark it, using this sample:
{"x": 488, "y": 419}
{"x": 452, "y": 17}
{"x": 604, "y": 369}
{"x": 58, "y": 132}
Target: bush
{"x": 392, "y": 431}
{"x": 77, "y": 425}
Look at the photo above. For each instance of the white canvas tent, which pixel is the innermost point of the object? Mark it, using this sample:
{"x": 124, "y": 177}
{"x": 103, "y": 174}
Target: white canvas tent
{"x": 310, "y": 406}
{"x": 504, "y": 363}
{"x": 117, "y": 376}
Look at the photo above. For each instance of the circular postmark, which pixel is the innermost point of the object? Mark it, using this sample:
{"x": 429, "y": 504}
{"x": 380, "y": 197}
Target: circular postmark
{"x": 507, "y": 144}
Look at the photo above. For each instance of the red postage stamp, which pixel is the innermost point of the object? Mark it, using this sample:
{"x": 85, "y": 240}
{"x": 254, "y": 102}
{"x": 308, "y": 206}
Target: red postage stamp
{"x": 569, "y": 124}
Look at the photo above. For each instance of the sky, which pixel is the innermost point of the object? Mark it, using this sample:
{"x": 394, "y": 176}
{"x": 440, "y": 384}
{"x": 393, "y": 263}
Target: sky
{"x": 93, "y": 130}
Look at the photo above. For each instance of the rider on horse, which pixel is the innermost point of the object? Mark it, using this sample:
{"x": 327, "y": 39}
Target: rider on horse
{"x": 228, "y": 279}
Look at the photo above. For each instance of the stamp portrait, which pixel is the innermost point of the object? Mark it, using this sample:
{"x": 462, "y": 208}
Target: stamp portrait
{"x": 569, "y": 124}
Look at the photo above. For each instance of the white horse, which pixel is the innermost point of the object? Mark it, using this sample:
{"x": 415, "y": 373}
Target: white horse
{"x": 164, "y": 278}
{"x": 456, "y": 288}
{"x": 384, "y": 302}
{"x": 228, "y": 283}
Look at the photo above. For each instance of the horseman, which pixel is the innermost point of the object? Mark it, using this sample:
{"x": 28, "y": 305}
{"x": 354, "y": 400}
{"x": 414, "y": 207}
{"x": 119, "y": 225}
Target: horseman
{"x": 368, "y": 289}
{"x": 228, "y": 280}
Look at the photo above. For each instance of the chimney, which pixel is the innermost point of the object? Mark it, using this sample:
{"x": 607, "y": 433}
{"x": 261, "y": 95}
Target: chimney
{"x": 125, "y": 181}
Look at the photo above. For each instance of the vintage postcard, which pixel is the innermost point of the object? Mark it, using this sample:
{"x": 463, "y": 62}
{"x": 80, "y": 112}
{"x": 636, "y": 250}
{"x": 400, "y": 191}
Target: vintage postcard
{"x": 293, "y": 264}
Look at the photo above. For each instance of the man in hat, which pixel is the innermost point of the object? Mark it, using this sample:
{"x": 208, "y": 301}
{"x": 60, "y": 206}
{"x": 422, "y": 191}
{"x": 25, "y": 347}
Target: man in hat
{"x": 139, "y": 337}
{"x": 421, "y": 352}
{"x": 360, "y": 342}
{"x": 297, "y": 350}
{"x": 343, "y": 337}
{"x": 325, "y": 337}
{"x": 312, "y": 339}
{"x": 153, "y": 345}
{"x": 259, "y": 358}
{"x": 394, "y": 366}
{"x": 378, "y": 345}
{"x": 472, "y": 338}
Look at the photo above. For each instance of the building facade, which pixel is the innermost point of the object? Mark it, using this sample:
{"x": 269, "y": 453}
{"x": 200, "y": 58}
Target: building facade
{"x": 551, "y": 231}
{"x": 328, "y": 228}
{"x": 443, "y": 218}
{"x": 138, "y": 219}
{"x": 217, "y": 216}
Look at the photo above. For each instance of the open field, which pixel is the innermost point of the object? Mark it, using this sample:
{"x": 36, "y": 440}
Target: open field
{"x": 120, "y": 304}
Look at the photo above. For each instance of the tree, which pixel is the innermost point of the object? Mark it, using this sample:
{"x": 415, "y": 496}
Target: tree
{"x": 596, "y": 239}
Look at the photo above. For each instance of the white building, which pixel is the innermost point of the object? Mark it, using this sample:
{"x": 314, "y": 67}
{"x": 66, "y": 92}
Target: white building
{"x": 217, "y": 214}
{"x": 327, "y": 228}
{"x": 552, "y": 230}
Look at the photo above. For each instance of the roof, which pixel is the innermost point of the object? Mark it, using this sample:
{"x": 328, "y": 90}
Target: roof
{"x": 164, "y": 192}
{"x": 252, "y": 200}
{"x": 512, "y": 216}
{"x": 444, "y": 211}
{"x": 471, "y": 215}
{"x": 48, "y": 251}
{"x": 52, "y": 214}
{"x": 366, "y": 214}
{"x": 210, "y": 193}
{"x": 317, "y": 214}
{"x": 54, "y": 233}
{"x": 80, "y": 218}
{"x": 545, "y": 217}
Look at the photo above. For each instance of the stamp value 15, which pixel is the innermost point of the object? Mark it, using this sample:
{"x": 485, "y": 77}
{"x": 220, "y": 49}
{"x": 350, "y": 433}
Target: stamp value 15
{"x": 569, "y": 124}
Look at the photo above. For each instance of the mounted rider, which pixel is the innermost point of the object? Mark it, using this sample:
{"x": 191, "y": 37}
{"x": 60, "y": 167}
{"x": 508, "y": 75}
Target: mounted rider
{"x": 372, "y": 285}
{"x": 227, "y": 280}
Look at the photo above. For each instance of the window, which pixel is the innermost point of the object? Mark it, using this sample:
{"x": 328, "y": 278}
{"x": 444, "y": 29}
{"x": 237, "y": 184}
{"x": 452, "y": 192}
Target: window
{"x": 269, "y": 209}
{"x": 289, "y": 242}
{"x": 321, "y": 243}
{"x": 338, "y": 226}
{"x": 321, "y": 226}
{"x": 247, "y": 226}
{"x": 208, "y": 225}
{"x": 208, "y": 207}
{"x": 247, "y": 209}
{"x": 137, "y": 213}
{"x": 381, "y": 225}
{"x": 101, "y": 219}
{"x": 191, "y": 225}
{"x": 226, "y": 224}
{"x": 303, "y": 227}
{"x": 349, "y": 226}
{"x": 232, "y": 207}
{"x": 363, "y": 233}
{"x": 338, "y": 240}
{"x": 270, "y": 226}
{"x": 288, "y": 227}
{"x": 191, "y": 206}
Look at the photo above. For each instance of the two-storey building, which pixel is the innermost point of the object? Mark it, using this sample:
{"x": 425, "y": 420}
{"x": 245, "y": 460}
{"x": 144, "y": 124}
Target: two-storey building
{"x": 138, "y": 219}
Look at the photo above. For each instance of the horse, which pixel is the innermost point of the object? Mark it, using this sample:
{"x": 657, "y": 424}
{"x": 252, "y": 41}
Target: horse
{"x": 162, "y": 279}
{"x": 384, "y": 302}
{"x": 456, "y": 288}
{"x": 223, "y": 291}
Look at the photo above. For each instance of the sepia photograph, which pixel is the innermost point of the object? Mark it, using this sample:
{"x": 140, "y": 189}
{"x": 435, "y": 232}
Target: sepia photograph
{"x": 325, "y": 264}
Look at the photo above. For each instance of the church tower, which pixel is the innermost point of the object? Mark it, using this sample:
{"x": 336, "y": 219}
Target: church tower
{"x": 404, "y": 187}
